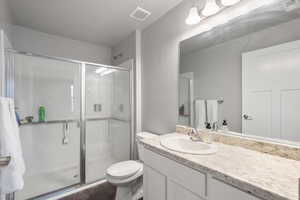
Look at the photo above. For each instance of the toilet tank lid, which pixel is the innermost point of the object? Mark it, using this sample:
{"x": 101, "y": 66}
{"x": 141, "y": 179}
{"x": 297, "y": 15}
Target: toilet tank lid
{"x": 145, "y": 135}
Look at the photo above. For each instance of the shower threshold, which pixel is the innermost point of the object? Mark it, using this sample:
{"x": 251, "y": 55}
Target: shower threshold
{"x": 69, "y": 191}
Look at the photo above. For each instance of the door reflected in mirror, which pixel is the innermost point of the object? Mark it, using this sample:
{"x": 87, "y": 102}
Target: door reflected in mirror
{"x": 249, "y": 70}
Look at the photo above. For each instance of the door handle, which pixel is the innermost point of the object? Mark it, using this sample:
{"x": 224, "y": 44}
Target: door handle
{"x": 247, "y": 117}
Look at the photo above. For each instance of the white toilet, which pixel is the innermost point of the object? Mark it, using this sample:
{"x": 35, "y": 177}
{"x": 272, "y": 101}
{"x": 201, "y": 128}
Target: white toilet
{"x": 123, "y": 174}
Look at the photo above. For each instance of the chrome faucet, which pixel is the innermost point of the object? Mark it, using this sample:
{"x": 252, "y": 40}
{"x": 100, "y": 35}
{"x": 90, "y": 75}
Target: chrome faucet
{"x": 215, "y": 126}
{"x": 194, "y": 134}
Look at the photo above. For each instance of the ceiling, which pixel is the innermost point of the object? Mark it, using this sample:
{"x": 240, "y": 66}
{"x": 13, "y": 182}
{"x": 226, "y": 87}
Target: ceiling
{"x": 104, "y": 22}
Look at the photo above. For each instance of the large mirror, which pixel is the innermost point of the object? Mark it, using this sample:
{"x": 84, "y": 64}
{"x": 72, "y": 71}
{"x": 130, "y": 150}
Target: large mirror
{"x": 243, "y": 77}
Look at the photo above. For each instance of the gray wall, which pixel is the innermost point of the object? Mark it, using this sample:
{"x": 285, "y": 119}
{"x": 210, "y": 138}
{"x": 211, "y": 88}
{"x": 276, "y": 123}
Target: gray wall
{"x": 218, "y": 69}
{"x": 5, "y": 17}
{"x": 160, "y": 61}
{"x": 25, "y": 39}
{"x": 125, "y": 50}
{"x": 160, "y": 70}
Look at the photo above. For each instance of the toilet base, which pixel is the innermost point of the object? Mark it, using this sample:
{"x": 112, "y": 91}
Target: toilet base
{"x": 125, "y": 193}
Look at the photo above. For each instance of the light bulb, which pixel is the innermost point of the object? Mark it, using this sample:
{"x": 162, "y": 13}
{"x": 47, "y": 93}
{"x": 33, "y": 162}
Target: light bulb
{"x": 210, "y": 8}
{"x": 229, "y": 2}
{"x": 193, "y": 17}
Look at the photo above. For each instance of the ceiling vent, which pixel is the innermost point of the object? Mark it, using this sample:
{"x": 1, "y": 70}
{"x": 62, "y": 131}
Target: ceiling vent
{"x": 140, "y": 14}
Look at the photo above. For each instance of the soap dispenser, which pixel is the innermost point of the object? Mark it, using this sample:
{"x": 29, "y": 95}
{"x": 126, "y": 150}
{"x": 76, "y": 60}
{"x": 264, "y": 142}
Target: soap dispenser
{"x": 224, "y": 126}
{"x": 207, "y": 135}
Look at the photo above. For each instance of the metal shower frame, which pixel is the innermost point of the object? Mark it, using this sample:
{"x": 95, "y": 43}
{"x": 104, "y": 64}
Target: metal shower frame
{"x": 9, "y": 92}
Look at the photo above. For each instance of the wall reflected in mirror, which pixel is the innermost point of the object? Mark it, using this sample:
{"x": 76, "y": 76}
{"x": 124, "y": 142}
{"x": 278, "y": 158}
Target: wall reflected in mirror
{"x": 251, "y": 64}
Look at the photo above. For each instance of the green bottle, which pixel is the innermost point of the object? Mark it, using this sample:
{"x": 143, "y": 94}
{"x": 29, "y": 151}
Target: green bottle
{"x": 42, "y": 114}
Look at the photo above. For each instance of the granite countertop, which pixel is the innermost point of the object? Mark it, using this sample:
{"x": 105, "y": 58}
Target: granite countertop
{"x": 266, "y": 176}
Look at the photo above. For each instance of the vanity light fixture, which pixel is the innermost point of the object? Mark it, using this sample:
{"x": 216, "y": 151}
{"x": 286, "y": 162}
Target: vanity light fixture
{"x": 229, "y": 2}
{"x": 193, "y": 17}
{"x": 211, "y": 7}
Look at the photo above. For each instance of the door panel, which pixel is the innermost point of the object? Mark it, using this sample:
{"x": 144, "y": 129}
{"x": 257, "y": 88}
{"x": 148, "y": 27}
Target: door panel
{"x": 221, "y": 191}
{"x": 154, "y": 184}
{"x": 51, "y": 149}
{"x": 258, "y": 114}
{"x": 274, "y": 70}
{"x": 290, "y": 114}
{"x": 107, "y": 119}
{"x": 177, "y": 192}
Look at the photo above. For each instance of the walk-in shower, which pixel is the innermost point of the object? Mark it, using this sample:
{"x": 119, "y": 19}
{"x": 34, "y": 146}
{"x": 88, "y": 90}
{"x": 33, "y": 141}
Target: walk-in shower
{"x": 88, "y": 122}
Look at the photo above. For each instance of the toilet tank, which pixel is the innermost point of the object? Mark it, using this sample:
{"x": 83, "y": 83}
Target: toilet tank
{"x": 139, "y": 136}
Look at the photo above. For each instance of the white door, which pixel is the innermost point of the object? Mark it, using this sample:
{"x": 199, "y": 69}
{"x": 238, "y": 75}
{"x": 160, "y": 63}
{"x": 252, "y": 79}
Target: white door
{"x": 271, "y": 92}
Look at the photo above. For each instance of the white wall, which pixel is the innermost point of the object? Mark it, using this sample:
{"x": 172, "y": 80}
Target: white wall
{"x": 25, "y": 39}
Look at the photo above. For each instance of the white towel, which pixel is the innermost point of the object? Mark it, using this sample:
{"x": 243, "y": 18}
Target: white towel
{"x": 11, "y": 176}
{"x": 212, "y": 111}
{"x": 200, "y": 114}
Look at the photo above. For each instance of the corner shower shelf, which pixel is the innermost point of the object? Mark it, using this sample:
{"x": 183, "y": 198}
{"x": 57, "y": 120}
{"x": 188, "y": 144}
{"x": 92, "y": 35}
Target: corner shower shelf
{"x": 49, "y": 122}
{"x": 71, "y": 121}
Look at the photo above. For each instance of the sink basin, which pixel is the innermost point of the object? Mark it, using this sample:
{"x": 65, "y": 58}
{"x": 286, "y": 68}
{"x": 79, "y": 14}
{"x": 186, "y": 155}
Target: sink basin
{"x": 184, "y": 144}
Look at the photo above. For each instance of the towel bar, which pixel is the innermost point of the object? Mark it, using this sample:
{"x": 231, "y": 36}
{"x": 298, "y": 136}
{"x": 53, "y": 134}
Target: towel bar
{"x": 4, "y": 160}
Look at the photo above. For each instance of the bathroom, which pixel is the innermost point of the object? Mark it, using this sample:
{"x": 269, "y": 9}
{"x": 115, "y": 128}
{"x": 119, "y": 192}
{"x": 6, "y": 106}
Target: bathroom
{"x": 152, "y": 100}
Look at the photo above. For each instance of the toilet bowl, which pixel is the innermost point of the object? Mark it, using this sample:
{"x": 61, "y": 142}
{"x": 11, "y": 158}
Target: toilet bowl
{"x": 124, "y": 174}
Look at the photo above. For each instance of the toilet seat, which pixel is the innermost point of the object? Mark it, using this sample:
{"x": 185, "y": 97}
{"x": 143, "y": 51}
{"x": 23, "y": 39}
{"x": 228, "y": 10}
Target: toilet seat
{"x": 124, "y": 170}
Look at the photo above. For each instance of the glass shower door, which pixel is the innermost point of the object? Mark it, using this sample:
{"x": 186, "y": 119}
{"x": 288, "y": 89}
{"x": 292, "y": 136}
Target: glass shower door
{"x": 47, "y": 98}
{"x": 107, "y": 119}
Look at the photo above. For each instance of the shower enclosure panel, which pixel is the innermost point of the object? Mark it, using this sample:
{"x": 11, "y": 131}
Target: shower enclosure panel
{"x": 107, "y": 119}
{"x": 51, "y": 146}
{"x": 75, "y": 120}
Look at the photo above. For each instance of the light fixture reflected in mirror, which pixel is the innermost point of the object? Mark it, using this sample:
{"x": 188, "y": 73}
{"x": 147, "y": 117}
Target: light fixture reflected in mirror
{"x": 104, "y": 71}
{"x": 211, "y": 7}
{"x": 108, "y": 71}
{"x": 229, "y": 2}
{"x": 100, "y": 70}
{"x": 193, "y": 17}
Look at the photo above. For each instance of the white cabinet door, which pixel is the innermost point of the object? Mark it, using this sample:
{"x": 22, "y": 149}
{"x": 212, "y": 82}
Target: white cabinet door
{"x": 154, "y": 185}
{"x": 218, "y": 190}
{"x": 271, "y": 92}
{"x": 177, "y": 192}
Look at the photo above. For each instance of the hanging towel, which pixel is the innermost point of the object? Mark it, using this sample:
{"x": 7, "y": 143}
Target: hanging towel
{"x": 212, "y": 111}
{"x": 200, "y": 114}
{"x": 11, "y": 176}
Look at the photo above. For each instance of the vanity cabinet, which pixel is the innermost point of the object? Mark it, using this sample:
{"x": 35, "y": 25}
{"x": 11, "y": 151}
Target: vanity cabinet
{"x": 155, "y": 186}
{"x": 165, "y": 179}
{"x": 222, "y": 191}
{"x": 178, "y": 192}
